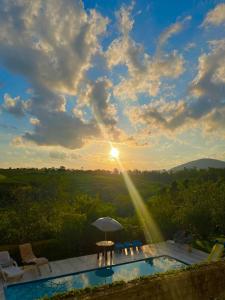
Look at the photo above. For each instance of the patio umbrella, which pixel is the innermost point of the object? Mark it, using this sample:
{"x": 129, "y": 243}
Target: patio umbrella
{"x": 107, "y": 224}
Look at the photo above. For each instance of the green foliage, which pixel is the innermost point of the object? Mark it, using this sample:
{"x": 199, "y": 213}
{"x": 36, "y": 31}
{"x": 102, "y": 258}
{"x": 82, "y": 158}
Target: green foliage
{"x": 55, "y": 207}
{"x": 198, "y": 206}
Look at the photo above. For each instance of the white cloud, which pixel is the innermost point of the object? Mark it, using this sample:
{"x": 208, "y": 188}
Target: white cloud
{"x": 149, "y": 80}
{"x": 172, "y": 30}
{"x": 97, "y": 96}
{"x": 15, "y": 106}
{"x": 144, "y": 72}
{"x": 215, "y": 17}
{"x": 158, "y": 116}
{"x": 190, "y": 46}
{"x": 52, "y": 44}
{"x": 34, "y": 121}
{"x": 204, "y": 107}
{"x": 125, "y": 22}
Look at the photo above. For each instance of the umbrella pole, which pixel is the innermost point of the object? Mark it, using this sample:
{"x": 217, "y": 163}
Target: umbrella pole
{"x": 105, "y": 253}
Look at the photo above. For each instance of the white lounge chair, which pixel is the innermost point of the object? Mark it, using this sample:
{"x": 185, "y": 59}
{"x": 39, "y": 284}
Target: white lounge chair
{"x": 9, "y": 268}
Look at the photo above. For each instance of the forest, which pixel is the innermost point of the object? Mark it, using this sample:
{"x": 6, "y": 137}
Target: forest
{"x": 54, "y": 208}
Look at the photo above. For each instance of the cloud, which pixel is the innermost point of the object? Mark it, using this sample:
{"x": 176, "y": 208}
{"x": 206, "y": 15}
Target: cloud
{"x": 172, "y": 30}
{"x": 99, "y": 99}
{"x": 159, "y": 116}
{"x": 34, "y": 121}
{"x": 215, "y": 17}
{"x": 61, "y": 128}
{"x": 148, "y": 80}
{"x": 190, "y": 46}
{"x": 215, "y": 121}
{"x": 205, "y": 102}
{"x": 144, "y": 72}
{"x": 125, "y": 22}
{"x": 60, "y": 155}
{"x": 209, "y": 84}
{"x": 15, "y": 106}
{"x": 51, "y": 44}
{"x": 97, "y": 96}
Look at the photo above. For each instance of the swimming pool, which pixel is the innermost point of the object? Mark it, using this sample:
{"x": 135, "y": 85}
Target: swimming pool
{"x": 127, "y": 271}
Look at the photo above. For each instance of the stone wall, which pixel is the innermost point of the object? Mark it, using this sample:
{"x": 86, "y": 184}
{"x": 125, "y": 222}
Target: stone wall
{"x": 205, "y": 282}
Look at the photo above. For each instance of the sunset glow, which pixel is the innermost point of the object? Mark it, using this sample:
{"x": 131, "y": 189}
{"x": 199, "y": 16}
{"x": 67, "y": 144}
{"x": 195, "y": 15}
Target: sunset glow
{"x": 159, "y": 96}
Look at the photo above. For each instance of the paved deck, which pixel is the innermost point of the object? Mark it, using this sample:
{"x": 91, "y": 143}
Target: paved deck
{"x": 82, "y": 263}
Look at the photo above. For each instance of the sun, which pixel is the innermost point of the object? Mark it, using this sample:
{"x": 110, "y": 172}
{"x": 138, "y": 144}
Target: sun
{"x": 114, "y": 153}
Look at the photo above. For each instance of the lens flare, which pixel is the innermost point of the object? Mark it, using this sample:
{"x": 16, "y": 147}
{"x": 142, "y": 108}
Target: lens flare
{"x": 150, "y": 228}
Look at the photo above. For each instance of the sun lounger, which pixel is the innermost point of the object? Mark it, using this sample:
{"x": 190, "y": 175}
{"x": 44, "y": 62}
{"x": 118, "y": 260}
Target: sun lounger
{"x": 137, "y": 244}
{"x": 9, "y": 269}
{"x": 216, "y": 253}
{"x": 119, "y": 247}
{"x": 29, "y": 258}
{"x": 128, "y": 245}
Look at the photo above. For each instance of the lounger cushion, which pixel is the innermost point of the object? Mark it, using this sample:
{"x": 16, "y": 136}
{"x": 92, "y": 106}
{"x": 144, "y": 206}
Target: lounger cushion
{"x": 38, "y": 261}
{"x": 137, "y": 243}
{"x": 5, "y": 259}
{"x": 12, "y": 272}
{"x": 119, "y": 246}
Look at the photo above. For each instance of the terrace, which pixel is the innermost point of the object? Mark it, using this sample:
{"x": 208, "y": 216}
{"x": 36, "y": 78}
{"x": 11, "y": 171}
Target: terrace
{"x": 82, "y": 263}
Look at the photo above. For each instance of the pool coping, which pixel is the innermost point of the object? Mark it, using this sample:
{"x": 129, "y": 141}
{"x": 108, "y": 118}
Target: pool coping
{"x": 89, "y": 270}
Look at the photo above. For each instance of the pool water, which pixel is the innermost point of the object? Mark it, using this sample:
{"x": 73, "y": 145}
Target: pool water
{"x": 126, "y": 272}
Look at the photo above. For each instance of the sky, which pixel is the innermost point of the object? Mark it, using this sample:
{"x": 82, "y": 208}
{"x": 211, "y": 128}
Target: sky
{"x": 146, "y": 76}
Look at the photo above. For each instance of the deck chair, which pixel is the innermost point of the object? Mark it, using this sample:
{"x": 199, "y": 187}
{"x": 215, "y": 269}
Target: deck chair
{"x": 9, "y": 268}
{"x": 216, "y": 253}
{"x": 28, "y": 257}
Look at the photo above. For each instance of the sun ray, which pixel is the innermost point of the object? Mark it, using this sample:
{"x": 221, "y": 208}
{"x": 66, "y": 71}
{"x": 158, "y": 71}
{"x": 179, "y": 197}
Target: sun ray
{"x": 150, "y": 228}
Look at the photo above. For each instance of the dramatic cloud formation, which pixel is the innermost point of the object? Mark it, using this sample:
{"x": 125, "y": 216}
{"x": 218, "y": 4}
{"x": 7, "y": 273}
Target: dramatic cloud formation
{"x": 81, "y": 76}
{"x": 144, "y": 72}
{"x": 50, "y": 43}
{"x": 216, "y": 16}
{"x": 205, "y": 102}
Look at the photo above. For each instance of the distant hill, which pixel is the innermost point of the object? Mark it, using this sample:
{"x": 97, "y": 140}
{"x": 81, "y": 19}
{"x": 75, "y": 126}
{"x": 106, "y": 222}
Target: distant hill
{"x": 203, "y": 163}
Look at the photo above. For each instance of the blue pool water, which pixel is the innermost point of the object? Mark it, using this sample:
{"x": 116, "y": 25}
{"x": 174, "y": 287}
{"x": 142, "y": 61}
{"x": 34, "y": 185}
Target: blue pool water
{"x": 48, "y": 287}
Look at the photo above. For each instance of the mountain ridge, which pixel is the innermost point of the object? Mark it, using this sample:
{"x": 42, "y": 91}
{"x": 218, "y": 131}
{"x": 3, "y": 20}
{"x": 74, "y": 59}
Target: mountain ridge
{"x": 202, "y": 163}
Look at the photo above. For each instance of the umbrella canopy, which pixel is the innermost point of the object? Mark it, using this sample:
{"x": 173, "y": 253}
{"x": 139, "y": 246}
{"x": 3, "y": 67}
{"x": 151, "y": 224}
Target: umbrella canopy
{"x": 107, "y": 224}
